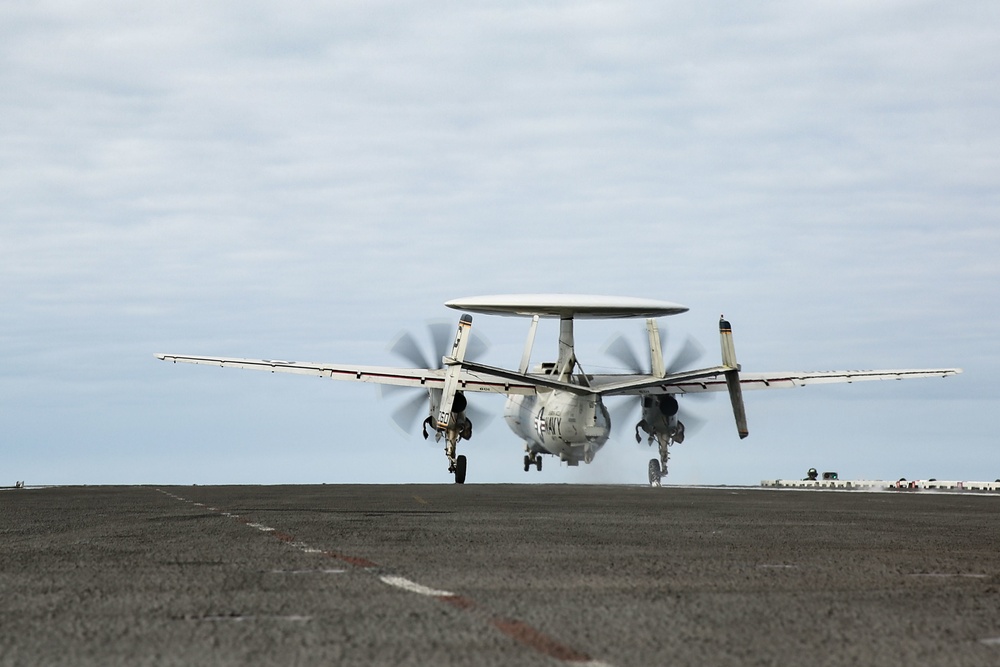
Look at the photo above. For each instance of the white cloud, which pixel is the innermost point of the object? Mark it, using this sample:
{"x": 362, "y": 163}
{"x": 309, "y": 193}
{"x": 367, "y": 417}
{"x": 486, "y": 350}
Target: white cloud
{"x": 305, "y": 181}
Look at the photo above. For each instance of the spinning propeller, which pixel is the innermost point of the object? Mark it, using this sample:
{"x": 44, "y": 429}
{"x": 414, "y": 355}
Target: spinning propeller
{"x": 657, "y": 409}
{"x": 405, "y": 345}
{"x": 620, "y": 348}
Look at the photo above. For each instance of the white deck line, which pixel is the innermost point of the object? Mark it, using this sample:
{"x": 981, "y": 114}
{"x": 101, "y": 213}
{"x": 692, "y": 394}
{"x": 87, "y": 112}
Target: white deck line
{"x": 414, "y": 587}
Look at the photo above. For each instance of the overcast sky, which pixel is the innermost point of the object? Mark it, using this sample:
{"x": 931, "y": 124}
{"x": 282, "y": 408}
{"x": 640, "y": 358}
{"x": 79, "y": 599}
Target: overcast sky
{"x": 304, "y": 180}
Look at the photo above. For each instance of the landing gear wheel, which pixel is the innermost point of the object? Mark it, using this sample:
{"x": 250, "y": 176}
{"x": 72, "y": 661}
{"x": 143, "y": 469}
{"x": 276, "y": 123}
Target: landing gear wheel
{"x": 654, "y": 472}
{"x": 460, "y": 466}
{"x": 538, "y": 462}
{"x": 527, "y": 462}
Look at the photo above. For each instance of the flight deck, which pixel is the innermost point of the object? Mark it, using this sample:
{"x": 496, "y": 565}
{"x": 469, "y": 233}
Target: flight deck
{"x": 496, "y": 574}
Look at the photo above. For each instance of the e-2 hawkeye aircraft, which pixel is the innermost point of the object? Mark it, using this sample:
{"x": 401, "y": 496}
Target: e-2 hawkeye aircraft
{"x": 557, "y": 408}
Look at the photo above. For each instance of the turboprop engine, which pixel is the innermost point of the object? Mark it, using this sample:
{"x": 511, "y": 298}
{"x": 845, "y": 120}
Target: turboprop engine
{"x": 458, "y": 415}
{"x": 659, "y": 416}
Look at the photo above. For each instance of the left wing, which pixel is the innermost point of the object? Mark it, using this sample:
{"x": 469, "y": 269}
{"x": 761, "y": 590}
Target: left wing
{"x": 431, "y": 378}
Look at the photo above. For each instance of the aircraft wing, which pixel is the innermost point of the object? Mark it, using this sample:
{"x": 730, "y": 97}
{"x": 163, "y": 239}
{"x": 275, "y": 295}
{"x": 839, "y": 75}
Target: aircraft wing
{"x": 432, "y": 378}
{"x": 488, "y": 379}
{"x": 683, "y": 383}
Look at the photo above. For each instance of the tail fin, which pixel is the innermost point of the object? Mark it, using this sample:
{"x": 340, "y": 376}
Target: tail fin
{"x": 453, "y": 365}
{"x": 528, "y": 344}
{"x": 733, "y": 376}
{"x": 655, "y": 349}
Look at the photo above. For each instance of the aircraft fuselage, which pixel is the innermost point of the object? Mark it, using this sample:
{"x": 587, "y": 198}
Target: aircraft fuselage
{"x": 567, "y": 425}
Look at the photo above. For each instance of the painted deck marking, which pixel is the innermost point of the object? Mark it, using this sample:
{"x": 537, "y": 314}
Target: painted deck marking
{"x": 261, "y": 527}
{"x": 465, "y": 604}
{"x": 294, "y": 618}
{"x": 323, "y": 571}
{"x": 528, "y": 636}
{"x": 413, "y": 587}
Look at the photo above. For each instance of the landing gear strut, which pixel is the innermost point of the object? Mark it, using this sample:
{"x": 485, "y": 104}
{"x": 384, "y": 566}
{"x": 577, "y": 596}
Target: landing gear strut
{"x": 658, "y": 467}
{"x": 457, "y": 464}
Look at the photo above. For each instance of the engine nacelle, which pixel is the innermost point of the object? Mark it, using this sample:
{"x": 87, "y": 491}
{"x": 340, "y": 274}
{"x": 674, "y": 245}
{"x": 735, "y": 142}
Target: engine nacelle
{"x": 659, "y": 418}
{"x": 460, "y": 403}
{"x": 664, "y": 405}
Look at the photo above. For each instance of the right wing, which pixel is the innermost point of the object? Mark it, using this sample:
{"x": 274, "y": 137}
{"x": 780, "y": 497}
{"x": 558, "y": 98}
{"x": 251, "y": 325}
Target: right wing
{"x": 711, "y": 379}
{"x": 430, "y": 378}
{"x": 782, "y": 380}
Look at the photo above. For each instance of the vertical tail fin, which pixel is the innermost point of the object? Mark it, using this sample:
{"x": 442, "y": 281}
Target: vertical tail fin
{"x": 733, "y": 376}
{"x": 528, "y": 344}
{"x": 655, "y": 349}
{"x": 453, "y": 363}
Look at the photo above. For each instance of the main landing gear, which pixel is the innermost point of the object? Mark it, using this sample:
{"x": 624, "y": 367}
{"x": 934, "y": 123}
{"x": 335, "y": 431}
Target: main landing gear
{"x": 532, "y": 460}
{"x": 658, "y": 467}
{"x": 458, "y": 467}
{"x": 457, "y": 464}
{"x": 654, "y": 472}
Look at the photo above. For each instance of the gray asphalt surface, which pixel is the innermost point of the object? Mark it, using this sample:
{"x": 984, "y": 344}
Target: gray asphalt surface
{"x": 489, "y": 575}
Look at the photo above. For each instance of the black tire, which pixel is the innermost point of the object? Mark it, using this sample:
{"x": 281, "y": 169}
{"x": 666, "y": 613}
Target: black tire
{"x": 538, "y": 462}
{"x": 654, "y": 472}
{"x": 527, "y": 462}
{"x": 460, "y": 466}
